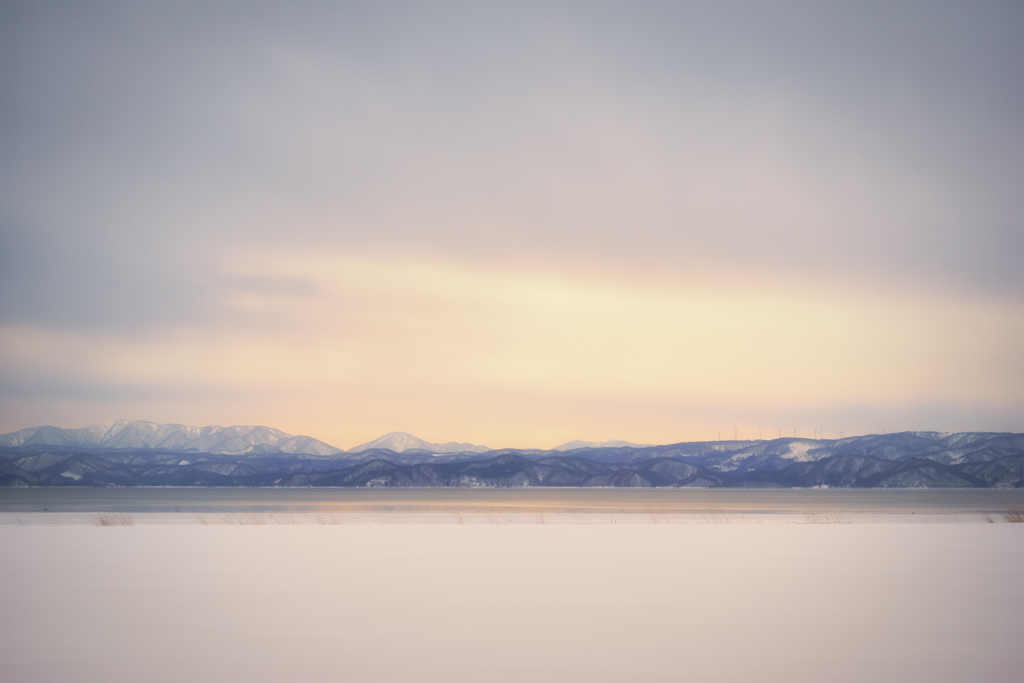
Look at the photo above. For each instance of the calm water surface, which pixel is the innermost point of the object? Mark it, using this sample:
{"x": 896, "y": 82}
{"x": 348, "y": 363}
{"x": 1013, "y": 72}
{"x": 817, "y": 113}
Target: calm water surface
{"x": 784, "y": 501}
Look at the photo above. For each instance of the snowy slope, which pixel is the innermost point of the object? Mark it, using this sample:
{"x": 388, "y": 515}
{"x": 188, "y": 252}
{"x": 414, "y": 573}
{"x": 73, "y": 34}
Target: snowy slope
{"x": 144, "y": 434}
{"x": 572, "y": 445}
{"x": 403, "y": 441}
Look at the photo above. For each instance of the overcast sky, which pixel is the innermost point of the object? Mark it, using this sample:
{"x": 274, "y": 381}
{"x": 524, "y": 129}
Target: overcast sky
{"x": 513, "y": 223}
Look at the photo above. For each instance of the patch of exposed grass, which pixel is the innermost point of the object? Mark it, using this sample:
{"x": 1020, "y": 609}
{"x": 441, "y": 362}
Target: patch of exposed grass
{"x": 1014, "y": 515}
{"x": 114, "y": 519}
{"x": 816, "y": 518}
{"x": 716, "y": 517}
{"x": 328, "y": 520}
{"x": 247, "y": 519}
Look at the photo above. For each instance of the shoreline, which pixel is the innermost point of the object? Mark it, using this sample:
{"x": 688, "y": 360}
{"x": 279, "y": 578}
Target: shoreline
{"x": 496, "y": 517}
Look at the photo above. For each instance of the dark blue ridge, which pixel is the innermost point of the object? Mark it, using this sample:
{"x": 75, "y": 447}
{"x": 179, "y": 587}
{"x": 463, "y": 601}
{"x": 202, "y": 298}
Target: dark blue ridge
{"x": 904, "y": 460}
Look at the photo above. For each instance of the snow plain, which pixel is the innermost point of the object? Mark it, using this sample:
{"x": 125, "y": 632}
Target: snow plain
{"x": 511, "y": 602}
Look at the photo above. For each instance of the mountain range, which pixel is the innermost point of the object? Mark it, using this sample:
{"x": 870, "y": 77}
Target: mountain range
{"x": 212, "y": 439}
{"x": 143, "y": 434}
{"x": 147, "y": 454}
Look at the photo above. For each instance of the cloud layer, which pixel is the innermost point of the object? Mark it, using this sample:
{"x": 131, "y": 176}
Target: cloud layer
{"x": 513, "y": 224}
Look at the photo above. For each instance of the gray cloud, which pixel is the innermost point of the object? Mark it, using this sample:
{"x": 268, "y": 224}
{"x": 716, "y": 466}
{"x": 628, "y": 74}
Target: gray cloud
{"x": 856, "y": 143}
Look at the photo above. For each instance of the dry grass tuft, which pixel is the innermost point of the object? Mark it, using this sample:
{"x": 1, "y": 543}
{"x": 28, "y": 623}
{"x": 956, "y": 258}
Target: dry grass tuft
{"x": 248, "y": 519}
{"x": 201, "y": 519}
{"x": 988, "y": 518}
{"x": 115, "y": 519}
{"x": 254, "y": 519}
{"x": 1014, "y": 515}
{"x": 816, "y": 518}
{"x": 328, "y": 520}
{"x": 717, "y": 517}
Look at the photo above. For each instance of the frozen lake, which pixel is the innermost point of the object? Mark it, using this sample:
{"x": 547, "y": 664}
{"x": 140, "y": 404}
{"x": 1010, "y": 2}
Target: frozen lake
{"x": 736, "y": 602}
{"x": 509, "y": 585}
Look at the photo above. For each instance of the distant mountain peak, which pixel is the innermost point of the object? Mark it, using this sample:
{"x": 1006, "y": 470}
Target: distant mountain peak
{"x": 400, "y": 442}
{"x": 600, "y": 444}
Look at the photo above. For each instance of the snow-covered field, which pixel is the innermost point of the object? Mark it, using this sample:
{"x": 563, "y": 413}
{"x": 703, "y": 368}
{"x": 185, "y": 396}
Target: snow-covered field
{"x": 510, "y": 602}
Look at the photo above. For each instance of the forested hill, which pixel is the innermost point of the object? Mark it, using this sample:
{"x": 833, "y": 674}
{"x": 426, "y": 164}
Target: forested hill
{"x": 903, "y": 460}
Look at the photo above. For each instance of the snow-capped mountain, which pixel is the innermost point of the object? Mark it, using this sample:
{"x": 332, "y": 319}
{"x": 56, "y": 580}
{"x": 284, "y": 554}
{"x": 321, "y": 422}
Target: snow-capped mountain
{"x": 143, "y": 434}
{"x": 600, "y": 444}
{"x": 403, "y": 441}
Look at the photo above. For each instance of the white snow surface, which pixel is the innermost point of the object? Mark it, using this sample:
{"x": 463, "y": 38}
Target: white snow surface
{"x": 893, "y": 603}
{"x": 799, "y": 451}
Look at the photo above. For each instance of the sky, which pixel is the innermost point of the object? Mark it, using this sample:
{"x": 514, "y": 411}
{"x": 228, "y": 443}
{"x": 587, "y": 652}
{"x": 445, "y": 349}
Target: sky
{"x": 514, "y": 224}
